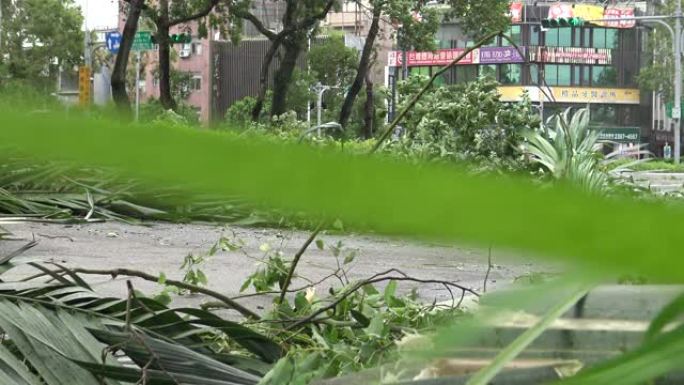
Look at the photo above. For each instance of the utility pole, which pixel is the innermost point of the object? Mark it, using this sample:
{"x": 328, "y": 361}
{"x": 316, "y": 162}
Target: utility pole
{"x": 677, "y": 108}
{"x": 137, "y": 86}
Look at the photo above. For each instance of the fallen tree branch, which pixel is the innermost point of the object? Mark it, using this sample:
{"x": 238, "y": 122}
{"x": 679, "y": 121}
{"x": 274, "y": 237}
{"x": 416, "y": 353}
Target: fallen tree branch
{"x": 379, "y": 277}
{"x": 231, "y": 304}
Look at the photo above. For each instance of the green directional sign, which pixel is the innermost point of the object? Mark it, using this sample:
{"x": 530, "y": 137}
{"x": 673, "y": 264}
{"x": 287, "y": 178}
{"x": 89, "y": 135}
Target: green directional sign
{"x": 142, "y": 41}
{"x": 619, "y": 134}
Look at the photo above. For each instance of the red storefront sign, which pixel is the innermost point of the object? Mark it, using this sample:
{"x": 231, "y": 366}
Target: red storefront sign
{"x": 574, "y": 55}
{"x": 515, "y": 11}
{"x": 437, "y": 58}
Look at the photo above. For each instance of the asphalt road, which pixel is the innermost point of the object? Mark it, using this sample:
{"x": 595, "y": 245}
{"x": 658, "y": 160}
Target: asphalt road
{"x": 161, "y": 247}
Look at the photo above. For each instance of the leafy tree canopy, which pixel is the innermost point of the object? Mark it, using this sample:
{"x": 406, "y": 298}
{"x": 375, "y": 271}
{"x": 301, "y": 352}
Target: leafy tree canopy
{"x": 38, "y": 36}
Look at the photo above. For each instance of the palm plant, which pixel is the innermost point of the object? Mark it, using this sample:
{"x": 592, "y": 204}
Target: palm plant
{"x": 61, "y": 332}
{"x": 570, "y": 151}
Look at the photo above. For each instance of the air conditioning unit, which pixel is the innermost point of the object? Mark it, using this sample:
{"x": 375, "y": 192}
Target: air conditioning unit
{"x": 186, "y": 51}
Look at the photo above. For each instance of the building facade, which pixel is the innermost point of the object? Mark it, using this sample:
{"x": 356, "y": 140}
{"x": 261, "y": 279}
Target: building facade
{"x": 592, "y": 66}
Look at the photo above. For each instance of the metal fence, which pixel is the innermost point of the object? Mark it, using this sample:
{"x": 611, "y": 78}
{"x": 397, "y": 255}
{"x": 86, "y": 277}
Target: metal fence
{"x": 236, "y": 70}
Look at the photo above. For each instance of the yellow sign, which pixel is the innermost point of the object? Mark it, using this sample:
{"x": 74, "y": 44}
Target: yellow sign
{"x": 581, "y": 95}
{"x": 589, "y": 12}
{"x": 84, "y": 86}
{"x": 595, "y": 95}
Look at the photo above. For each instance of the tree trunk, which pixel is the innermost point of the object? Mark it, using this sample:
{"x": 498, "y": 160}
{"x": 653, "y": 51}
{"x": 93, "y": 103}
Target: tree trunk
{"x": 369, "y": 109}
{"x": 165, "y": 97}
{"x": 263, "y": 80}
{"x": 119, "y": 72}
{"x": 362, "y": 70}
{"x": 283, "y": 77}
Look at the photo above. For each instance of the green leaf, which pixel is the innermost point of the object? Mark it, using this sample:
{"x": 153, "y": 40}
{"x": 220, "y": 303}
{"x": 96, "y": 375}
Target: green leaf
{"x": 390, "y": 291}
{"x": 350, "y": 257}
{"x": 281, "y": 373}
{"x": 377, "y": 326}
{"x": 668, "y": 314}
{"x": 360, "y": 318}
{"x": 320, "y": 244}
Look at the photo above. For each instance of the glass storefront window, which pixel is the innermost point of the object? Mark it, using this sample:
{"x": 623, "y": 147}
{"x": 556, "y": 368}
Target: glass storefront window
{"x": 576, "y": 76}
{"x": 466, "y": 73}
{"x": 425, "y": 71}
{"x": 515, "y": 33}
{"x": 603, "y": 115}
{"x": 488, "y": 70}
{"x": 510, "y": 73}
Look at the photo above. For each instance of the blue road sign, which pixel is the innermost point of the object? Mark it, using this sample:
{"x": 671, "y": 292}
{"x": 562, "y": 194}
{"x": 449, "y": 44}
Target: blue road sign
{"x": 113, "y": 40}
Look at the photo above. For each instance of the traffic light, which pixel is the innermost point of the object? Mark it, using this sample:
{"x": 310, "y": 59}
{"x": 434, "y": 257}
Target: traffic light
{"x": 563, "y": 22}
{"x": 176, "y": 38}
{"x": 181, "y": 38}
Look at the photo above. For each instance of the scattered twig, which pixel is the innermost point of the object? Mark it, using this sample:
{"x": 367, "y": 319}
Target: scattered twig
{"x": 489, "y": 269}
{"x": 231, "y": 304}
{"x": 221, "y": 304}
{"x": 380, "y": 277}
{"x": 296, "y": 259}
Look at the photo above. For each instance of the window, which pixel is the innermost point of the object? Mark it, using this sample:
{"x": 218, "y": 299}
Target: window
{"x": 603, "y": 115}
{"x": 565, "y": 37}
{"x": 425, "y": 71}
{"x": 465, "y": 73}
{"x": 488, "y": 70}
{"x": 551, "y": 37}
{"x": 586, "y": 75}
{"x": 587, "y": 38}
{"x": 196, "y": 83}
{"x": 197, "y": 48}
{"x": 612, "y": 38}
{"x": 564, "y": 75}
{"x": 515, "y": 33}
{"x": 557, "y": 74}
{"x": 606, "y": 38}
{"x": 534, "y": 35}
{"x": 534, "y": 74}
{"x": 576, "y": 76}
{"x": 551, "y": 74}
{"x": 491, "y": 43}
{"x": 578, "y": 36}
{"x": 510, "y": 73}
{"x": 603, "y": 76}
